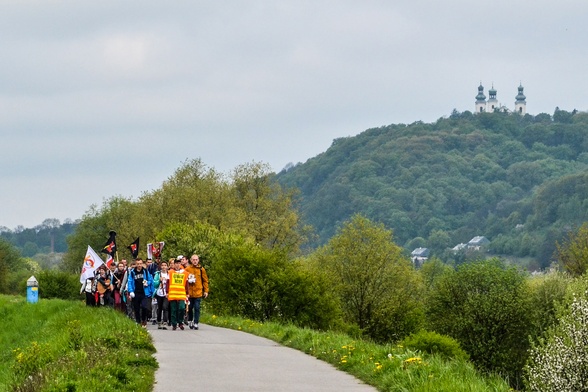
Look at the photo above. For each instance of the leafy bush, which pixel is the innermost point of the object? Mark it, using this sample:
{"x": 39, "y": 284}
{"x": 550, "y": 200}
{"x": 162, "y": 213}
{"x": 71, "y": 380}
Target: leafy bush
{"x": 434, "y": 343}
{"x": 57, "y": 284}
{"x": 261, "y": 284}
{"x": 547, "y": 293}
{"x": 486, "y": 307}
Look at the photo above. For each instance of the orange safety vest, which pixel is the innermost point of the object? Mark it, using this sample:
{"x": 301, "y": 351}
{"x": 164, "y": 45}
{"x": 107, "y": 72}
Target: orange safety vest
{"x": 177, "y": 286}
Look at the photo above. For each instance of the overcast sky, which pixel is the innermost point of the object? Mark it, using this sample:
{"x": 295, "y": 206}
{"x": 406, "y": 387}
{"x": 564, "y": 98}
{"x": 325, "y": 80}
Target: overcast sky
{"x": 104, "y": 98}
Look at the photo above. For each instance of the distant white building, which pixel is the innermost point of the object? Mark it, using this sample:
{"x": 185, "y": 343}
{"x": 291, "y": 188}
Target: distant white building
{"x": 419, "y": 256}
{"x": 459, "y": 247}
{"x": 478, "y": 242}
{"x": 491, "y": 105}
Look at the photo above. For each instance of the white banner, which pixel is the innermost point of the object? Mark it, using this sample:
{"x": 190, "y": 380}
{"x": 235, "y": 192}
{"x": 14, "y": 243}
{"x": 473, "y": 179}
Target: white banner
{"x": 91, "y": 262}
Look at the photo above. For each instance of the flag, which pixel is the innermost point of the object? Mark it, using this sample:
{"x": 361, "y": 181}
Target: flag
{"x": 109, "y": 261}
{"x": 134, "y": 248}
{"x": 110, "y": 246}
{"x": 154, "y": 250}
{"x": 91, "y": 262}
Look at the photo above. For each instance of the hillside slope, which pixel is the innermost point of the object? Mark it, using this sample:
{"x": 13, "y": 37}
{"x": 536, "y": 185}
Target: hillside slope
{"x": 519, "y": 181}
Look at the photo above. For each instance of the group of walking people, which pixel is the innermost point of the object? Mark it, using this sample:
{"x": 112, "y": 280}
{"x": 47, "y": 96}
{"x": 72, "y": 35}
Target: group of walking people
{"x": 169, "y": 293}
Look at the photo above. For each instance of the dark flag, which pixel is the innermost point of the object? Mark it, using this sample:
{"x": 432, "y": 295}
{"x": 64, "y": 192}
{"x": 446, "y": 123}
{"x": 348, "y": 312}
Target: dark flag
{"x": 110, "y": 246}
{"x": 134, "y": 248}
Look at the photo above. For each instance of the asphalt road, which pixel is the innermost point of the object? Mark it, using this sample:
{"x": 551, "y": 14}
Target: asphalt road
{"x": 220, "y": 359}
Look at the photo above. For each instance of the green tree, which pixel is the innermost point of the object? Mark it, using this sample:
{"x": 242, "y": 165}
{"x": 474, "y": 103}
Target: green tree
{"x": 268, "y": 213}
{"x": 252, "y": 205}
{"x": 432, "y": 271}
{"x": 486, "y": 307}
{"x": 199, "y": 238}
{"x": 377, "y": 287}
{"x": 439, "y": 240}
{"x": 572, "y": 253}
{"x": 9, "y": 258}
{"x": 93, "y": 230}
{"x": 30, "y": 249}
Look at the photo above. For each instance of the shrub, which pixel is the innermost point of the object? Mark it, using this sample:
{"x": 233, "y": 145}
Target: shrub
{"x": 434, "y": 343}
{"x": 560, "y": 363}
{"x": 486, "y": 307}
{"x": 262, "y": 284}
{"x": 547, "y": 293}
{"x": 57, "y": 284}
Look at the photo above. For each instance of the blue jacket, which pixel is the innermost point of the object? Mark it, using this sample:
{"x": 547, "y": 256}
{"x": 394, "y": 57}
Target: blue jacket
{"x": 146, "y": 276}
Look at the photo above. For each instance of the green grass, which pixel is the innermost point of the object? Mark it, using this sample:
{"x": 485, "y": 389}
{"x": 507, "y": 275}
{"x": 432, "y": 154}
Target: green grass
{"x": 386, "y": 367}
{"x": 58, "y": 345}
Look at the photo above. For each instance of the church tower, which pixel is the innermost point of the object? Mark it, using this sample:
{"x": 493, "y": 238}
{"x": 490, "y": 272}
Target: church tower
{"x": 480, "y": 100}
{"x": 520, "y": 103}
{"x": 492, "y": 101}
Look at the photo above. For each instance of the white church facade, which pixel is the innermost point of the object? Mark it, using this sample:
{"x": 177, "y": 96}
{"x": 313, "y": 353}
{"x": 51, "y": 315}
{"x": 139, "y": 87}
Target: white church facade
{"x": 492, "y": 105}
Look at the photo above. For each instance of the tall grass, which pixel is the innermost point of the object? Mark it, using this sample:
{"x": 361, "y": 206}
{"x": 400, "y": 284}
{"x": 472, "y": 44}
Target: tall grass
{"x": 58, "y": 345}
{"x": 386, "y": 367}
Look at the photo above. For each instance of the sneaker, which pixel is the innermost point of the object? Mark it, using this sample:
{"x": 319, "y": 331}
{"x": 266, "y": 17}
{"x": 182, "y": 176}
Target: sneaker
{"x": 195, "y": 326}
{"x": 191, "y": 325}
{"x": 153, "y": 322}
{"x": 182, "y": 327}
{"x": 164, "y": 327}
{"x": 174, "y": 327}
{"x": 159, "y": 326}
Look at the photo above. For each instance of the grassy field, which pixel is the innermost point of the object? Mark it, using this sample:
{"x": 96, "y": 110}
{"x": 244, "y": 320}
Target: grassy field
{"x": 57, "y": 345}
{"x": 387, "y": 367}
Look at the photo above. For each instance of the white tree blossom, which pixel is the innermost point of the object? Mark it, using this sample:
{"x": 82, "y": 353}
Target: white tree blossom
{"x": 560, "y": 363}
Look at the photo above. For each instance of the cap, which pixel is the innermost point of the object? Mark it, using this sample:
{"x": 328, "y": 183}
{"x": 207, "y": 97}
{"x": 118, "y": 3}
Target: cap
{"x": 179, "y": 258}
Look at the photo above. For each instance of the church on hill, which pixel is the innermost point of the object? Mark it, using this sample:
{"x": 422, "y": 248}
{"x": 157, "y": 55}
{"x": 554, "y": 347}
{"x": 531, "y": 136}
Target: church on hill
{"x": 492, "y": 105}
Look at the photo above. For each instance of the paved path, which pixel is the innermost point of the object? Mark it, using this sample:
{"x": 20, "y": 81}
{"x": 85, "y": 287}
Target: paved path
{"x": 220, "y": 359}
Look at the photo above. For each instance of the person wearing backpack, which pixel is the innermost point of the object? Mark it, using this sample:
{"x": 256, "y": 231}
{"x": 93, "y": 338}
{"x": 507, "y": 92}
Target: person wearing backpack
{"x": 140, "y": 286}
{"x": 197, "y": 289}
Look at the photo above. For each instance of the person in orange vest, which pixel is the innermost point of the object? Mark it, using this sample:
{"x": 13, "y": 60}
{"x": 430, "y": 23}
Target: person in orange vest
{"x": 177, "y": 293}
{"x": 197, "y": 289}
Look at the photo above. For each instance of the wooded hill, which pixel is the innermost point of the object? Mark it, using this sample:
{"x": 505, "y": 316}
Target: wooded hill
{"x": 522, "y": 182}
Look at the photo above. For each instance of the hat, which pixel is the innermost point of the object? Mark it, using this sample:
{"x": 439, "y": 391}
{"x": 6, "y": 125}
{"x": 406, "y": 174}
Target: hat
{"x": 179, "y": 258}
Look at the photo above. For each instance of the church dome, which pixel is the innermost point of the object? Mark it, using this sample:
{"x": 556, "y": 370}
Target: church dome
{"x": 480, "y": 96}
{"x": 520, "y": 96}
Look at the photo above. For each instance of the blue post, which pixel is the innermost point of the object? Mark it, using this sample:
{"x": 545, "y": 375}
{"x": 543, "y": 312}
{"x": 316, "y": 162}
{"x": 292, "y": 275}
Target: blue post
{"x": 32, "y": 290}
